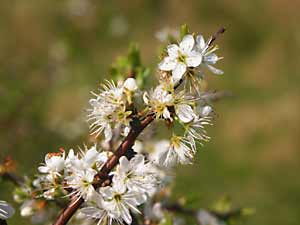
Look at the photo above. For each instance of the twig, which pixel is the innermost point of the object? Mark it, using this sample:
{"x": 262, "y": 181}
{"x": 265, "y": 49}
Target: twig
{"x": 12, "y": 177}
{"x": 75, "y": 203}
{"x": 127, "y": 143}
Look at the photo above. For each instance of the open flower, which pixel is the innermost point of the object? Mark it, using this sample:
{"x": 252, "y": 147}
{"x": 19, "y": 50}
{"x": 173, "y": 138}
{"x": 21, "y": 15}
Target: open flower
{"x": 180, "y": 57}
{"x": 136, "y": 174}
{"x": 54, "y": 164}
{"x": 6, "y": 211}
{"x": 180, "y": 150}
{"x": 162, "y": 101}
{"x": 209, "y": 57}
{"x": 81, "y": 183}
{"x": 118, "y": 201}
{"x": 196, "y": 129}
{"x": 109, "y": 108}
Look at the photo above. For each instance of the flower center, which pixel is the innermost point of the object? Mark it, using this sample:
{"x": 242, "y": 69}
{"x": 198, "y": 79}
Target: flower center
{"x": 181, "y": 57}
{"x": 117, "y": 197}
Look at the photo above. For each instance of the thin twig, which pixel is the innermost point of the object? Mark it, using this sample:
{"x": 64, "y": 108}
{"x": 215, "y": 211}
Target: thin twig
{"x": 127, "y": 143}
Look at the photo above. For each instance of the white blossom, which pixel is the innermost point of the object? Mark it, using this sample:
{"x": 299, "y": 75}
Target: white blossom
{"x": 54, "y": 164}
{"x": 180, "y": 150}
{"x": 81, "y": 183}
{"x": 180, "y": 57}
{"x": 209, "y": 57}
{"x": 6, "y": 210}
{"x": 196, "y": 129}
{"x": 109, "y": 109}
{"x": 130, "y": 84}
{"x": 162, "y": 100}
{"x": 136, "y": 174}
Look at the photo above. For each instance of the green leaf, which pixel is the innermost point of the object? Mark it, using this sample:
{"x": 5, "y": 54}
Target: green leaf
{"x": 184, "y": 30}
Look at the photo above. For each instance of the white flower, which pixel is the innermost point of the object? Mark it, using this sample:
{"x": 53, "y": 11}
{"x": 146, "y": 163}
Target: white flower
{"x": 196, "y": 129}
{"x": 185, "y": 112}
{"x": 136, "y": 175}
{"x": 81, "y": 182}
{"x": 209, "y": 57}
{"x": 205, "y": 111}
{"x": 91, "y": 158}
{"x": 27, "y": 208}
{"x": 180, "y": 150}
{"x": 109, "y": 109}
{"x": 118, "y": 201}
{"x": 180, "y": 57}
{"x": 154, "y": 212}
{"x": 130, "y": 84}
{"x": 160, "y": 100}
{"x": 6, "y": 211}
{"x": 54, "y": 164}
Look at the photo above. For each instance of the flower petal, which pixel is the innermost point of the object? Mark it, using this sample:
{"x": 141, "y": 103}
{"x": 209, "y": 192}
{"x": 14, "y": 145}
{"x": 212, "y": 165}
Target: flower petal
{"x": 178, "y": 71}
{"x": 167, "y": 64}
{"x": 187, "y": 43}
{"x": 215, "y": 70}
{"x": 194, "y": 59}
{"x": 185, "y": 113}
{"x": 173, "y": 50}
{"x": 200, "y": 42}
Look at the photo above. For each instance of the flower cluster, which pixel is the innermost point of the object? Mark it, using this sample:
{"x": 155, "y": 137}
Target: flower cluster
{"x": 189, "y": 55}
{"x": 115, "y": 185}
{"x": 131, "y": 184}
{"x": 110, "y": 107}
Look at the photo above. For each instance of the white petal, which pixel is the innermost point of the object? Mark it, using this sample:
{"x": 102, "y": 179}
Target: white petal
{"x": 130, "y": 84}
{"x": 166, "y": 113}
{"x": 167, "y": 64}
{"x": 136, "y": 161}
{"x": 43, "y": 169}
{"x": 93, "y": 212}
{"x": 173, "y": 50}
{"x": 178, "y": 72}
{"x": 194, "y": 59}
{"x": 6, "y": 211}
{"x": 108, "y": 133}
{"x": 146, "y": 98}
{"x": 215, "y": 70}
{"x": 106, "y": 192}
{"x": 187, "y": 43}
{"x": 206, "y": 110}
{"x": 185, "y": 113}
{"x": 124, "y": 163}
{"x": 200, "y": 42}
{"x": 211, "y": 58}
{"x": 125, "y": 214}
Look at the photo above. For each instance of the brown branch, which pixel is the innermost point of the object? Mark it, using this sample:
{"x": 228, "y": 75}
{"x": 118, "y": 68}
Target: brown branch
{"x": 12, "y": 177}
{"x": 128, "y": 142}
{"x": 137, "y": 127}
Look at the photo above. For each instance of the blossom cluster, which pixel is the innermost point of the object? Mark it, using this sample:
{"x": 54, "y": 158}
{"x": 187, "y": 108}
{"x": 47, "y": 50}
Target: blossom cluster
{"x": 114, "y": 112}
{"x": 132, "y": 182}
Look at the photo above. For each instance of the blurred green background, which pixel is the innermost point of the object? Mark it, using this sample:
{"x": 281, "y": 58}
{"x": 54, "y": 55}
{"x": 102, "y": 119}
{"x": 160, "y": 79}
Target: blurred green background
{"x": 53, "y": 53}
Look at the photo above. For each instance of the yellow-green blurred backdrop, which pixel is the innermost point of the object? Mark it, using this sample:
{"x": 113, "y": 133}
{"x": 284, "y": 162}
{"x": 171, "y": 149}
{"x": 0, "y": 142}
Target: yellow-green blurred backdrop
{"x": 53, "y": 53}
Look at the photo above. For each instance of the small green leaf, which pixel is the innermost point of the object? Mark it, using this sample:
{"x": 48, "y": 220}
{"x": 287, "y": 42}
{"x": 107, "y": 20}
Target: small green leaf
{"x": 184, "y": 30}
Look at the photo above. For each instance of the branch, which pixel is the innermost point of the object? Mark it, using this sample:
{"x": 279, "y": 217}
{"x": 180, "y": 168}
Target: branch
{"x": 137, "y": 127}
{"x": 102, "y": 176}
{"x": 14, "y": 178}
